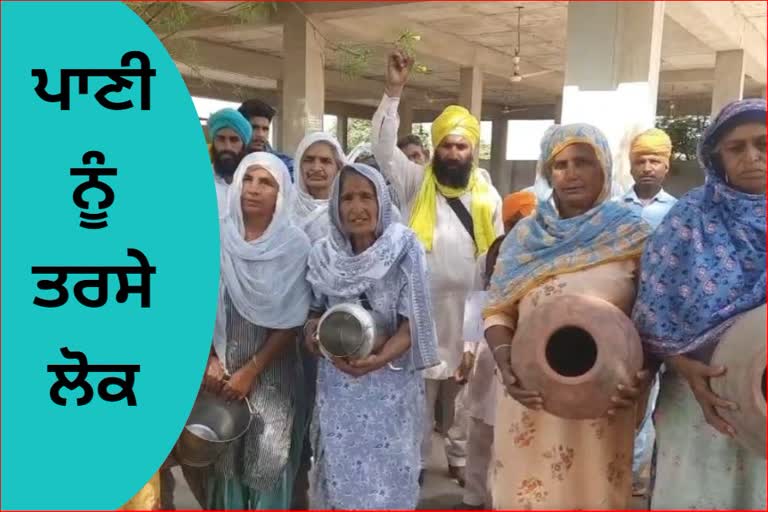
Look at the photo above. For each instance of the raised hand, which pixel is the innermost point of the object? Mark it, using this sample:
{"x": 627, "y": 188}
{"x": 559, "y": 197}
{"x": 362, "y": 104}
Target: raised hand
{"x": 398, "y": 68}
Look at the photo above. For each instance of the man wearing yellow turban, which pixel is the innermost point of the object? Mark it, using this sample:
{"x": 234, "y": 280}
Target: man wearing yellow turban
{"x": 649, "y": 156}
{"x": 456, "y": 213}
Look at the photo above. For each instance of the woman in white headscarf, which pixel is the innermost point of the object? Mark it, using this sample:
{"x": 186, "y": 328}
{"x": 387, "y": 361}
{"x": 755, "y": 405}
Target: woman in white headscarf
{"x": 264, "y": 297}
{"x": 319, "y": 158}
{"x": 368, "y": 416}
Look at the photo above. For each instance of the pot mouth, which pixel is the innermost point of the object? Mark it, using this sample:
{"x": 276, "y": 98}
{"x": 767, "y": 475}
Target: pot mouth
{"x": 571, "y": 352}
{"x": 342, "y": 334}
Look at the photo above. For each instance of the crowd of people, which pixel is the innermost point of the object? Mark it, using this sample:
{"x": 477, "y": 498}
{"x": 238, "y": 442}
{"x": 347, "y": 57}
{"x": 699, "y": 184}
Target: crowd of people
{"x": 413, "y": 236}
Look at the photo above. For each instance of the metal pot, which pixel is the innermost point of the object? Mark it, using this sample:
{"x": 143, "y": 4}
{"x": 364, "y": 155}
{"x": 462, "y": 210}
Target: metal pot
{"x": 212, "y": 425}
{"x": 351, "y": 331}
{"x": 741, "y": 350}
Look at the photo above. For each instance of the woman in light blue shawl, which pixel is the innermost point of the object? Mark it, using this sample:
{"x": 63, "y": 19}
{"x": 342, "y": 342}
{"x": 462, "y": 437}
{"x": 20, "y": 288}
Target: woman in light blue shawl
{"x": 367, "y": 423}
{"x": 702, "y": 268}
{"x": 263, "y": 298}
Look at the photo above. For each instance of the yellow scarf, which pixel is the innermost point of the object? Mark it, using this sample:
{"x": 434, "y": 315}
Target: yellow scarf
{"x": 424, "y": 211}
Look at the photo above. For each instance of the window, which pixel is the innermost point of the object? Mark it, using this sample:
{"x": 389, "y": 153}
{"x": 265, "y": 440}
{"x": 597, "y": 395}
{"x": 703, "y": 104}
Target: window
{"x": 486, "y": 131}
{"x": 524, "y": 138}
{"x": 358, "y": 131}
{"x": 331, "y": 125}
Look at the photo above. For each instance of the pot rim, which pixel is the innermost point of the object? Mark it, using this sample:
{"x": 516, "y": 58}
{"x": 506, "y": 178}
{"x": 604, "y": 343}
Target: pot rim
{"x": 357, "y": 311}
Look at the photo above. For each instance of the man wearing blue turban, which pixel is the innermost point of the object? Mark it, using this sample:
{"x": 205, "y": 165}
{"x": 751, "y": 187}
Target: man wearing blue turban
{"x": 230, "y": 134}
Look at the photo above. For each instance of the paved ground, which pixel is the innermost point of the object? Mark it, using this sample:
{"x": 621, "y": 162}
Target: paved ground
{"x": 438, "y": 492}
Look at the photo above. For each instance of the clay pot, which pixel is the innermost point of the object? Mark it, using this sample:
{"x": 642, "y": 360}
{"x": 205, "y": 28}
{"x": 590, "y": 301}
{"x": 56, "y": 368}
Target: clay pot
{"x": 741, "y": 350}
{"x": 575, "y": 350}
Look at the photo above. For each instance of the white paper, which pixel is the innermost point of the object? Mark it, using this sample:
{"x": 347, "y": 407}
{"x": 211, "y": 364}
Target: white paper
{"x": 473, "y": 316}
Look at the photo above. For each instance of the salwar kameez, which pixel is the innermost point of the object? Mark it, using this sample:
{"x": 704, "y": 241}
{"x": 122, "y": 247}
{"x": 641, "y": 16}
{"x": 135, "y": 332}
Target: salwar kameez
{"x": 697, "y": 467}
{"x": 542, "y": 461}
{"x": 257, "y": 471}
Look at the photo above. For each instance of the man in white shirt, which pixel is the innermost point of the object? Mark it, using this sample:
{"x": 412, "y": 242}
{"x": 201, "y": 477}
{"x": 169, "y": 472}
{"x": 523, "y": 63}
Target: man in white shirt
{"x": 649, "y": 156}
{"x": 456, "y": 214}
{"x": 230, "y": 134}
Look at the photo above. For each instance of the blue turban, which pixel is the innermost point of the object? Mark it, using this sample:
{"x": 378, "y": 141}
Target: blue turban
{"x": 230, "y": 118}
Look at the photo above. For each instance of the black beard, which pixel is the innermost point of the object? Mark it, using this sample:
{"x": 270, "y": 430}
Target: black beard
{"x": 225, "y": 163}
{"x": 452, "y": 173}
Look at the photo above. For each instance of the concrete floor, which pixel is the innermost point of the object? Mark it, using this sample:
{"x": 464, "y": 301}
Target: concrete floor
{"x": 438, "y": 492}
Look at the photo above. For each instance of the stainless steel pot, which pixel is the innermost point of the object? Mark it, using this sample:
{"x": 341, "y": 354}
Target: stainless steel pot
{"x": 351, "y": 331}
{"x": 212, "y": 425}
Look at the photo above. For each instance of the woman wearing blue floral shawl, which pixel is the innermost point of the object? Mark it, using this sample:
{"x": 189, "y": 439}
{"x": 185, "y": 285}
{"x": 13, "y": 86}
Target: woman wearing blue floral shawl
{"x": 367, "y": 424}
{"x": 702, "y": 268}
{"x": 578, "y": 241}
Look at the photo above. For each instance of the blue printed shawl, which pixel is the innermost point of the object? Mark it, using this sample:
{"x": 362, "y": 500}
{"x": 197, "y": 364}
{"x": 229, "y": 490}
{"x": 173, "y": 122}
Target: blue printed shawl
{"x": 705, "y": 264}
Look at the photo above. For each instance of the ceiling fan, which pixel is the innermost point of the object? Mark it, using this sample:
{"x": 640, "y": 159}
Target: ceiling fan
{"x": 516, "y": 75}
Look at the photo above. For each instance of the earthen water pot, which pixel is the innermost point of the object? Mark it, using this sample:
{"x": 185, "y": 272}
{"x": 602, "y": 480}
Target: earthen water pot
{"x": 575, "y": 350}
{"x": 741, "y": 350}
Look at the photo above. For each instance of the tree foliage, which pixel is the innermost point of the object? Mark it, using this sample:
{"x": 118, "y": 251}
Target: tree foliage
{"x": 685, "y": 132}
{"x": 358, "y": 131}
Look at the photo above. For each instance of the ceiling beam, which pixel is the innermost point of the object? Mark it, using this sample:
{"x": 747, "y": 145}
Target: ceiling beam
{"x": 254, "y": 69}
{"x": 687, "y": 75}
{"x": 341, "y": 10}
{"x": 721, "y": 26}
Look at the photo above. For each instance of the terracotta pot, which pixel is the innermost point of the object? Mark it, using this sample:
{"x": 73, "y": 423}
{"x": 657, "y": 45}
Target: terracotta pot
{"x": 575, "y": 350}
{"x": 741, "y": 350}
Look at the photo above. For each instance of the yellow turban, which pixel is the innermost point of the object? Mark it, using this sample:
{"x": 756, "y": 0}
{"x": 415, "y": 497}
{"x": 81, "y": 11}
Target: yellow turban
{"x": 520, "y": 202}
{"x": 652, "y": 142}
{"x": 456, "y": 120}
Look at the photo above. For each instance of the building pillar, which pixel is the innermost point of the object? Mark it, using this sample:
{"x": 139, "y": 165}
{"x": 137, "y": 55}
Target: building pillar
{"x": 303, "y": 88}
{"x": 613, "y": 58}
{"x": 342, "y": 132}
{"x": 499, "y": 171}
{"x": 729, "y": 79}
{"x": 471, "y": 90}
{"x": 405, "y": 111}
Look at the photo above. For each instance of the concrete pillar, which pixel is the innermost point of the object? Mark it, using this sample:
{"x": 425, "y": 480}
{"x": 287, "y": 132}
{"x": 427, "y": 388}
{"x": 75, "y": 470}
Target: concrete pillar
{"x": 499, "y": 171}
{"x": 471, "y": 90}
{"x": 406, "y": 118}
{"x": 558, "y": 109}
{"x": 303, "y": 92}
{"x": 729, "y": 79}
{"x": 613, "y": 56}
{"x": 276, "y": 128}
{"x": 342, "y": 132}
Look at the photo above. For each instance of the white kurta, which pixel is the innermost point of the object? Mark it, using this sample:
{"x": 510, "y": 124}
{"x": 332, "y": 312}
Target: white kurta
{"x": 221, "y": 194}
{"x": 451, "y": 262}
{"x": 481, "y": 392}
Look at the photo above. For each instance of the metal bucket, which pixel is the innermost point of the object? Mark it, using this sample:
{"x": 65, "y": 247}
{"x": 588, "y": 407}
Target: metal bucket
{"x": 351, "y": 331}
{"x": 212, "y": 425}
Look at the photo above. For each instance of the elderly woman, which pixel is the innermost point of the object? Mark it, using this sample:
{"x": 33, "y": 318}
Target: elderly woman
{"x": 577, "y": 242}
{"x": 319, "y": 158}
{"x": 705, "y": 266}
{"x": 264, "y": 297}
{"x": 368, "y": 416}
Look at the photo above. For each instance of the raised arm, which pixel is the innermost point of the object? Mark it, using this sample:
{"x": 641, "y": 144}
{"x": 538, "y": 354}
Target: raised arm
{"x": 404, "y": 175}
